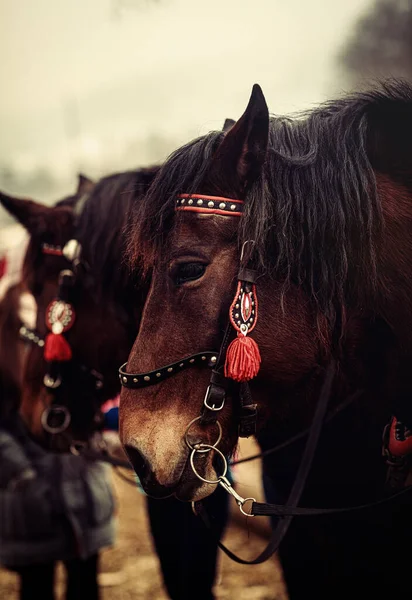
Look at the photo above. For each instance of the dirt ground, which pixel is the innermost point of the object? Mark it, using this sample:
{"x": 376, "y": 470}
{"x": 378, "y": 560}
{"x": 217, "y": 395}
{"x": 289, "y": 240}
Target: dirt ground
{"x": 130, "y": 570}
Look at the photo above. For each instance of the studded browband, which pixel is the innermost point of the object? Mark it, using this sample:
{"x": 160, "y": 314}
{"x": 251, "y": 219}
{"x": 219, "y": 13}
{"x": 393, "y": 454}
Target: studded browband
{"x": 215, "y": 205}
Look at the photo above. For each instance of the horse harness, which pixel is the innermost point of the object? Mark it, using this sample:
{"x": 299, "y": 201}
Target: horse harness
{"x": 60, "y": 316}
{"x": 243, "y": 318}
{"x": 234, "y": 379}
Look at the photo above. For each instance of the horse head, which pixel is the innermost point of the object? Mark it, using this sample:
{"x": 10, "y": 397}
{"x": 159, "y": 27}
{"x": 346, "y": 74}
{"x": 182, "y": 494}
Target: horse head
{"x": 286, "y": 229}
{"x": 47, "y": 262}
{"x": 190, "y": 233}
{"x": 88, "y": 306}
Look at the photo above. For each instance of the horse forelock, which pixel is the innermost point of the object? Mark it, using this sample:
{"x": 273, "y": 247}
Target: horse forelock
{"x": 154, "y": 217}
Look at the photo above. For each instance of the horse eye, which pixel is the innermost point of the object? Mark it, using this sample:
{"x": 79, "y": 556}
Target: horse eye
{"x": 189, "y": 272}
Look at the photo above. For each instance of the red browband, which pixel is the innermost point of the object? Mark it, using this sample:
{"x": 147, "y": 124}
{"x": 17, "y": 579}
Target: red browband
{"x": 53, "y": 250}
{"x": 215, "y": 205}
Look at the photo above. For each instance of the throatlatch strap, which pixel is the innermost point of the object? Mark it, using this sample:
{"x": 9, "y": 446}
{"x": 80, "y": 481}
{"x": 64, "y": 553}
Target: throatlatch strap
{"x": 248, "y": 412}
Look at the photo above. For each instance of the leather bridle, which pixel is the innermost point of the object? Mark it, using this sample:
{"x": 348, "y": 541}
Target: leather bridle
{"x": 56, "y": 417}
{"x": 214, "y": 401}
{"x": 219, "y": 385}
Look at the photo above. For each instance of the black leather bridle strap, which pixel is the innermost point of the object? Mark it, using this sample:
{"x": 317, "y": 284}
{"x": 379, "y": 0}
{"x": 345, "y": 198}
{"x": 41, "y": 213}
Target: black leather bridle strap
{"x": 32, "y": 337}
{"x": 295, "y": 438}
{"x": 216, "y": 392}
{"x": 284, "y": 510}
{"x": 139, "y": 380}
{"x": 299, "y": 483}
{"x": 248, "y": 412}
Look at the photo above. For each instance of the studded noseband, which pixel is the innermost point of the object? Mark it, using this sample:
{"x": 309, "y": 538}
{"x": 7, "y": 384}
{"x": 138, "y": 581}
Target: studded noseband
{"x": 140, "y": 380}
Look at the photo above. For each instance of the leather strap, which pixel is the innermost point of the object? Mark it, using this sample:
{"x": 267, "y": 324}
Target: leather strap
{"x": 260, "y": 509}
{"x": 140, "y": 380}
{"x": 248, "y": 412}
{"x": 216, "y": 392}
{"x": 299, "y": 483}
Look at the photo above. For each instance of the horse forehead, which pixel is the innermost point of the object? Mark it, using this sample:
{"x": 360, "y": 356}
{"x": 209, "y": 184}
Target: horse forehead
{"x": 206, "y": 228}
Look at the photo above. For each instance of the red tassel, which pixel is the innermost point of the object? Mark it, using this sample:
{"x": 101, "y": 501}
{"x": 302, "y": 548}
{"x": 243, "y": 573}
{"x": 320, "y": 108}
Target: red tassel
{"x": 57, "y": 348}
{"x": 242, "y": 359}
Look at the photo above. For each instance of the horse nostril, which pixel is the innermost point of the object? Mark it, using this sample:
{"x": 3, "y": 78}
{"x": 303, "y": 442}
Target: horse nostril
{"x": 138, "y": 461}
{"x": 192, "y": 439}
{"x": 147, "y": 478}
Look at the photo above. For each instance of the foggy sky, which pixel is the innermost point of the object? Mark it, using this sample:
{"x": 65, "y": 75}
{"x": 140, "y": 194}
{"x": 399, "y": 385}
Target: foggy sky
{"x": 74, "y": 73}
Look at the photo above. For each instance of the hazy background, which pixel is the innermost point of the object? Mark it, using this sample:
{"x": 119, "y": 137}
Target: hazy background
{"x": 104, "y": 85}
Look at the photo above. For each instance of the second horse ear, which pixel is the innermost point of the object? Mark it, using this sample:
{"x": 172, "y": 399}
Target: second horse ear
{"x": 84, "y": 185}
{"x": 228, "y": 124}
{"x": 32, "y": 215}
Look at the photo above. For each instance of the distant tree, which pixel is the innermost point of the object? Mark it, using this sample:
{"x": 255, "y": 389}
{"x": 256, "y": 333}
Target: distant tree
{"x": 381, "y": 45}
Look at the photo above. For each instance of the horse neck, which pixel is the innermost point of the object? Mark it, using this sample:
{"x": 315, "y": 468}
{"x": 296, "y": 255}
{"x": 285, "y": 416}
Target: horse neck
{"x": 12, "y": 350}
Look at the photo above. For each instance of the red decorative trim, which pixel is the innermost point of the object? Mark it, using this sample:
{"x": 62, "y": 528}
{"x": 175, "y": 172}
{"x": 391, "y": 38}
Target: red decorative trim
{"x": 214, "y": 198}
{"x": 52, "y": 251}
{"x": 238, "y": 300}
{"x": 398, "y": 447}
{"x": 64, "y": 318}
{"x": 210, "y": 211}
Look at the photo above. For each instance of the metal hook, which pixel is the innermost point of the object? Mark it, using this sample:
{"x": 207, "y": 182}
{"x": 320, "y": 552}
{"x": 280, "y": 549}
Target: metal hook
{"x": 243, "y": 248}
{"x": 240, "y": 501}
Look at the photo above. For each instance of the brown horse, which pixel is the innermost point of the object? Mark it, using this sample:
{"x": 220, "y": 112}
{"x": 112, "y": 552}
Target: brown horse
{"x": 321, "y": 209}
{"x": 34, "y": 565}
{"x": 51, "y": 226}
{"x": 108, "y": 303}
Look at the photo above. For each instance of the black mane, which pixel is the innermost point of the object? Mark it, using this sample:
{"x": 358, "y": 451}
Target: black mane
{"x": 314, "y": 212}
{"x": 101, "y": 226}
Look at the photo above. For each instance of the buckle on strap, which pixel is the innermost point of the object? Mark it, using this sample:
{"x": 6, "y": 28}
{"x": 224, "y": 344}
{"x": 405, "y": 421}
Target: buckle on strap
{"x": 214, "y": 394}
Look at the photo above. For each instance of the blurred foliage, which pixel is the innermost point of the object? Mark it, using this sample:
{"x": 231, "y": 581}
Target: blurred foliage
{"x": 381, "y": 44}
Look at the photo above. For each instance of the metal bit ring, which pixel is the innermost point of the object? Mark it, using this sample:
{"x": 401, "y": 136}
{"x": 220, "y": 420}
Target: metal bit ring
{"x": 241, "y": 505}
{"x": 192, "y": 447}
{"x": 58, "y": 409}
{"x": 192, "y": 464}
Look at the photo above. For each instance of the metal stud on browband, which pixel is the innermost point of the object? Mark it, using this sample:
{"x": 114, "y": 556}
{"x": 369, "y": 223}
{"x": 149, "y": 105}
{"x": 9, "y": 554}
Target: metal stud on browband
{"x": 72, "y": 250}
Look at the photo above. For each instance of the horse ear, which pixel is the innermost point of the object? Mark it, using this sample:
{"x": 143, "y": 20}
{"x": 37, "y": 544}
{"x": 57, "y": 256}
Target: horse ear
{"x": 84, "y": 185}
{"x": 228, "y": 124}
{"x": 243, "y": 150}
{"x": 32, "y": 215}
